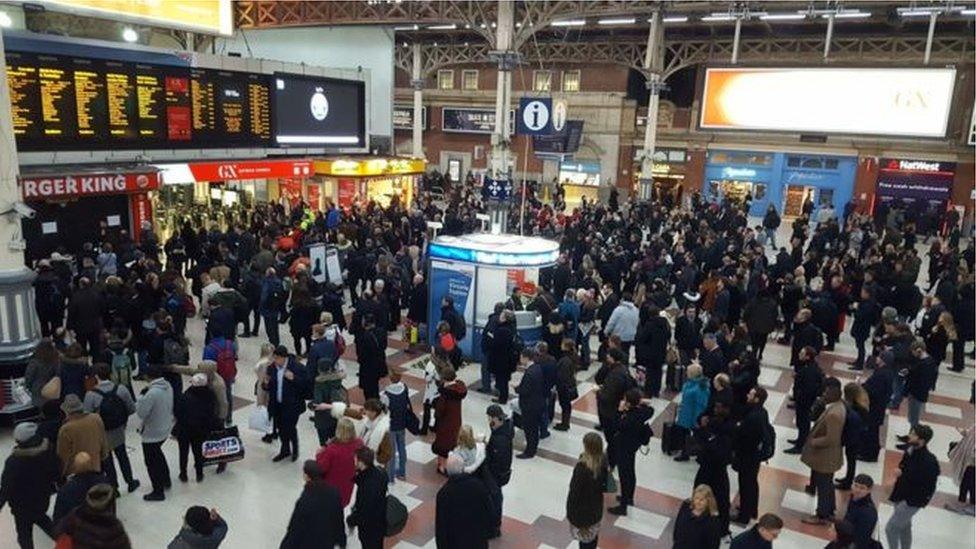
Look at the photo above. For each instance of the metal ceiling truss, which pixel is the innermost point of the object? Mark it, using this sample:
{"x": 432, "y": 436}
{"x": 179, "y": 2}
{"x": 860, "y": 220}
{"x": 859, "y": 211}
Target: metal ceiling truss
{"x": 680, "y": 54}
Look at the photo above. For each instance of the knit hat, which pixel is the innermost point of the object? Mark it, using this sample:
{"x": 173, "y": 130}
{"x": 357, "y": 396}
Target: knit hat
{"x": 889, "y": 314}
{"x": 100, "y": 497}
{"x": 72, "y": 405}
{"x": 24, "y": 431}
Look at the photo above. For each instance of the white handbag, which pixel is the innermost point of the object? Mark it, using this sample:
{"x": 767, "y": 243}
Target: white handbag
{"x": 259, "y": 420}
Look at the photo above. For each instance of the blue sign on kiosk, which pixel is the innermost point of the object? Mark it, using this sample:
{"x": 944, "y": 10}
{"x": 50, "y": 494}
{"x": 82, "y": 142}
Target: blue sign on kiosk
{"x": 496, "y": 189}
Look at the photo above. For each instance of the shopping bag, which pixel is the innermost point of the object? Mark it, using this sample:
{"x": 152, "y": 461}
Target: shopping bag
{"x": 611, "y": 486}
{"x": 19, "y": 393}
{"x": 396, "y": 515}
{"x": 223, "y": 446}
{"x": 52, "y": 389}
{"x": 259, "y": 420}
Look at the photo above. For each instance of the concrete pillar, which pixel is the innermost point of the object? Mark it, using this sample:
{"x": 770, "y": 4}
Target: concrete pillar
{"x": 735, "y": 39}
{"x": 19, "y": 326}
{"x": 417, "y": 82}
{"x": 928, "y": 40}
{"x": 653, "y": 61}
{"x": 500, "y": 140}
{"x": 830, "y": 35}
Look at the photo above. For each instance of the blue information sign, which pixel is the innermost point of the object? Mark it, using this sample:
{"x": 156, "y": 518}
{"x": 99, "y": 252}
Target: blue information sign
{"x": 534, "y": 116}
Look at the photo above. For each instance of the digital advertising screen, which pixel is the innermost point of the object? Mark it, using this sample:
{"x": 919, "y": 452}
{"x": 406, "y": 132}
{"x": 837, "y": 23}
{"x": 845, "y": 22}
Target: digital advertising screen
{"x": 209, "y": 16}
{"x": 318, "y": 111}
{"x": 904, "y": 102}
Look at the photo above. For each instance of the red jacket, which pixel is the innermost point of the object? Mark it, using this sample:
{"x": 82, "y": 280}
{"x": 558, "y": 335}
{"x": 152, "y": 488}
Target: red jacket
{"x": 338, "y": 462}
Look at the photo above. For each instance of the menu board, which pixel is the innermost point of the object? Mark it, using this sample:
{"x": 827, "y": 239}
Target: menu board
{"x": 74, "y": 103}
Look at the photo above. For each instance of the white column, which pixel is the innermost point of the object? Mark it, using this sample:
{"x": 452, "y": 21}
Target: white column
{"x": 500, "y": 145}
{"x": 928, "y": 40}
{"x": 19, "y": 326}
{"x": 652, "y": 64}
{"x": 417, "y": 82}
{"x": 735, "y": 39}
{"x": 830, "y": 35}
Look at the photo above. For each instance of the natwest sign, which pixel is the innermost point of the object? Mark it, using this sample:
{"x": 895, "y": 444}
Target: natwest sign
{"x": 231, "y": 170}
{"x": 59, "y": 186}
{"x": 916, "y": 165}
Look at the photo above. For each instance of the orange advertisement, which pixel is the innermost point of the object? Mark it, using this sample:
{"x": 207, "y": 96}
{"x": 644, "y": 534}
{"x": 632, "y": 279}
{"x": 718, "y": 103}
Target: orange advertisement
{"x": 210, "y": 16}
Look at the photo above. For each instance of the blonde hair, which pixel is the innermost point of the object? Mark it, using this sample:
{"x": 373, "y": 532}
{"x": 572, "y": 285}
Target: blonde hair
{"x": 592, "y": 455}
{"x": 703, "y": 490}
{"x": 465, "y": 437}
{"x": 266, "y": 350}
{"x": 694, "y": 371}
{"x": 345, "y": 430}
{"x": 856, "y": 395}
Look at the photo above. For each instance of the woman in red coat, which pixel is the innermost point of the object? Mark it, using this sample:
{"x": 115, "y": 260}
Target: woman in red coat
{"x": 338, "y": 459}
{"x": 447, "y": 415}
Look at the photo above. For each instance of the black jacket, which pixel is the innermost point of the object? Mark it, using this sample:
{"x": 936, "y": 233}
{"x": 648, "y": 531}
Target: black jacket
{"x": 760, "y": 315}
{"x": 878, "y": 387}
{"x": 919, "y": 473}
{"x": 316, "y": 521}
{"x": 631, "y": 428}
{"x": 614, "y": 382}
{"x": 866, "y": 316}
{"x": 292, "y": 396}
{"x": 652, "y": 341}
{"x": 687, "y": 334}
{"x": 369, "y": 512}
{"x": 73, "y": 493}
{"x": 807, "y": 383}
{"x": 455, "y": 321}
{"x": 498, "y": 453}
{"x": 532, "y": 391}
{"x": 713, "y": 362}
{"x": 464, "y": 513}
{"x": 28, "y": 477}
{"x": 750, "y": 539}
{"x": 196, "y": 412}
{"x": 501, "y": 354}
{"x": 85, "y": 311}
{"x": 748, "y": 435}
{"x": 863, "y": 515}
{"x": 805, "y": 335}
{"x": 921, "y": 378}
{"x": 691, "y": 532}
{"x": 584, "y": 503}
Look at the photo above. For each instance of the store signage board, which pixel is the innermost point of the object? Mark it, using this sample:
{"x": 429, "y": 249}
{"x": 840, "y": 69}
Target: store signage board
{"x": 535, "y": 116}
{"x": 499, "y": 190}
{"x": 403, "y": 117}
{"x": 562, "y": 142}
{"x": 915, "y": 179}
{"x": 188, "y": 173}
{"x": 319, "y": 111}
{"x": 906, "y": 102}
{"x": 471, "y": 120}
{"x": 208, "y": 16}
{"x": 61, "y": 102}
{"x": 65, "y": 186}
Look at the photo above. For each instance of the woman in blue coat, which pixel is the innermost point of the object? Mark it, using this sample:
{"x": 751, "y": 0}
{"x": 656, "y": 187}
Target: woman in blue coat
{"x": 694, "y": 400}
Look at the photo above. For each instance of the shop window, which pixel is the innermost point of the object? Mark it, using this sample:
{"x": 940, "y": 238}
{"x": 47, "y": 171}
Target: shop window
{"x": 752, "y": 159}
{"x": 826, "y": 196}
{"x": 469, "y": 80}
{"x": 830, "y": 164}
{"x": 542, "y": 81}
{"x": 571, "y": 81}
{"x": 445, "y": 80}
{"x": 760, "y": 191}
{"x": 812, "y": 162}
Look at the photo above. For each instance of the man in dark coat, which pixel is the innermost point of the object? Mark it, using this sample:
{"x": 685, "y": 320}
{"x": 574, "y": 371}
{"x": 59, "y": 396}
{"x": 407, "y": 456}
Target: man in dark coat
{"x": 760, "y": 536}
{"x": 614, "y": 381}
{"x": 918, "y": 473}
{"x": 72, "y": 493}
{"x": 878, "y": 387}
{"x": 866, "y": 316}
{"x": 760, "y": 315}
{"x": 371, "y": 354}
{"x": 807, "y": 385}
{"x": 286, "y": 401}
{"x": 454, "y": 319}
{"x": 464, "y": 514}
{"x": 502, "y": 355}
{"x": 805, "y": 334}
{"x": 85, "y": 316}
{"x": 28, "y": 481}
{"x": 712, "y": 358}
{"x": 653, "y": 337}
{"x": 861, "y": 512}
{"x": 748, "y": 436}
{"x": 533, "y": 399}
{"x": 317, "y": 519}
{"x": 369, "y": 510}
{"x": 417, "y": 301}
{"x": 498, "y": 460}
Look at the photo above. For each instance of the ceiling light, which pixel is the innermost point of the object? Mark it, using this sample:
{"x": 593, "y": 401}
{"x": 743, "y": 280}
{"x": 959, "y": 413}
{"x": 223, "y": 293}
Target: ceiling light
{"x": 568, "y": 23}
{"x": 442, "y": 27}
{"x": 783, "y": 16}
{"x": 407, "y": 28}
{"x": 925, "y": 12}
{"x": 918, "y": 13}
{"x": 968, "y": 12}
{"x": 129, "y": 35}
{"x": 673, "y": 19}
{"x": 618, "y": 21}
{"x": 718, "y": 17}
{"x": 848, "y": 15}
{"x": 5, "y": 20}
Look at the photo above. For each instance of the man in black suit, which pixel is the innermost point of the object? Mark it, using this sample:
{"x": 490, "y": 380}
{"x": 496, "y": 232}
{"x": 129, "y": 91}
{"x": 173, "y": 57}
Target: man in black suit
{"x": 286, "y": 387}
{"x": 317, "y": 518}
{"x": 533, "y": 398}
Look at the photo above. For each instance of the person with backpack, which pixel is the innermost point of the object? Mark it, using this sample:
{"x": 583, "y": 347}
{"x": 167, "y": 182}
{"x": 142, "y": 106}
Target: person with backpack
{"x": 224, "y": 353}
{"x": 114, "y": 403}
{"x": 121, "y": 360}
{"x": 396, "y": 398}
{"x": 633, "y": 431}
{"x": 272, "y": 299}
{"x": 751, "y": 445}
{"x": 327, "y": 388}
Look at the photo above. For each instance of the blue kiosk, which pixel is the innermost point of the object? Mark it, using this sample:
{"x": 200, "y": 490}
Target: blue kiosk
{"x": 479, "y": 270}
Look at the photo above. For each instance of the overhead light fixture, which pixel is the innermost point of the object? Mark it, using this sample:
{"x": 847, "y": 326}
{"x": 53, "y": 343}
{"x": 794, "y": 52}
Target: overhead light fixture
{"x": 783, "y": 16}
{"x": 673, "y": 19}
{"x": 435, "y": 44}
{"x": 5, "y": 20}
{"x": 568, "y": 23}
{"x": 407, "y": 28}
{"x": 927, "y": 11}
{"x": 848, "y": 15}
{"x": 442, "y": 27}
{"x": 718, "y": 17}
{"x": 129, "y": 34}
{"x": 617, "y": 21}
{"x": 967, "y": 12}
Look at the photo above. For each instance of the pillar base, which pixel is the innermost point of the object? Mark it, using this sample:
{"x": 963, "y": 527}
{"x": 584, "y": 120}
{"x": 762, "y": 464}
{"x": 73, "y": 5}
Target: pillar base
{"x": 20, "y": 330}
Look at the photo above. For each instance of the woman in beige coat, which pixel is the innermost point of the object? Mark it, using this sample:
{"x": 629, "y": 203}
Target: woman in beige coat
{"x": 823, "y": 451}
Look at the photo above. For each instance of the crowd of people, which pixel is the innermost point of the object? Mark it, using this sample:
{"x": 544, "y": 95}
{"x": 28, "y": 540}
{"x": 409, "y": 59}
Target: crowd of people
{"x": 652, "y": 299}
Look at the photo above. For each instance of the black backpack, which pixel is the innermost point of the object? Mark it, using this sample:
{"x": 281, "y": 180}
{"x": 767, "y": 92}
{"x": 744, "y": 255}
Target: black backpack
{"x": 767, "y": 445}
{"x": 112, "y": 410}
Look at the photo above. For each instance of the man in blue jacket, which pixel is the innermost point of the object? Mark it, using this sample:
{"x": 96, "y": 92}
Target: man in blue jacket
{"x": 861, "y": 511}
{"x": 272, "y": 295}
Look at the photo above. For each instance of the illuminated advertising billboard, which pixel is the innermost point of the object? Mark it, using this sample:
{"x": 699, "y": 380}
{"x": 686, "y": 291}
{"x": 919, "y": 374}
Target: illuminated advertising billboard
{"x": 209, "y": 16}
{"x": 868, "y": 101}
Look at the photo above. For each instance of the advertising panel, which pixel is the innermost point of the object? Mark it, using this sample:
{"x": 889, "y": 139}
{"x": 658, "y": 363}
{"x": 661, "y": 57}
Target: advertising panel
{"x": 403, "y": 117}
{"x": 469, "y": 120}
{"x": 871, "y": 101}
{"x": 65, "y": 186}
{"x": 312, "y": 110}
{"x": 921, "y": 181}
{"x": 457, "y": 281}
{"x": 209, "y": 16}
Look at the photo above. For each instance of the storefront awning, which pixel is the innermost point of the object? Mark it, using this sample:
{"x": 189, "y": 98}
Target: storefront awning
{"x": 369, "y": 166}
{"x": 185, "y": 173}
{"x": 69, "y": 182}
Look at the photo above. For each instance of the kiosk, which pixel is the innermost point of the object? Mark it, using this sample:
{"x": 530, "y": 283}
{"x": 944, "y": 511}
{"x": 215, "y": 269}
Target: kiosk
{"x": 479, "y": 270}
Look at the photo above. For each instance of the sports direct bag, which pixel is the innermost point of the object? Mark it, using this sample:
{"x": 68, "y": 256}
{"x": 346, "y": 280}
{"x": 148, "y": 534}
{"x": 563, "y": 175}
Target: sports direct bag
{"x": 223, "y": 446}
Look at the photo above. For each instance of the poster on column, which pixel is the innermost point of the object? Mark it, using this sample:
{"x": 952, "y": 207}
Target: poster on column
{"x": 347, "y": 193}
{"x": 457, "y": 281}
{"x": 141, "y": 209}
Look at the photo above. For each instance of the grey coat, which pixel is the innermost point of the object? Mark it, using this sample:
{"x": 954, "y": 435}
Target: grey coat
{"x": 116, "y": 437}
{"x": 155, "y": 409}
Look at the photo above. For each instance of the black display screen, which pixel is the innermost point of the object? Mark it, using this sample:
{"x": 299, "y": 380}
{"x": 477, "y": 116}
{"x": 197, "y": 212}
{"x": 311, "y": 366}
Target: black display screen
{"x": 75, "y": 103}
{"x": 318, "y": 111}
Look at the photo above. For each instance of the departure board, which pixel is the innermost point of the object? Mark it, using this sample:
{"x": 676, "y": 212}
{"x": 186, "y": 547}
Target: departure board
{"x": 25, "y": 104}
{"x": 74, "y": 103}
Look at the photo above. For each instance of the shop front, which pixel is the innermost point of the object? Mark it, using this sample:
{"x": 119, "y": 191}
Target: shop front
{"x": 347, "y": 181}
{"x": 74, "y": 205}
{"x": 214, "y": 191}
{"x": 786, "y": 180}
{"x": 923, "y": 187}
{"x": 579, "y": 179}
{"x": 667, "y": 175}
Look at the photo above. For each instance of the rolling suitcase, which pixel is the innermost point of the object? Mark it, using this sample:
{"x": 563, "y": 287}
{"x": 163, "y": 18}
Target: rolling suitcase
{"x": 671, "y": 439}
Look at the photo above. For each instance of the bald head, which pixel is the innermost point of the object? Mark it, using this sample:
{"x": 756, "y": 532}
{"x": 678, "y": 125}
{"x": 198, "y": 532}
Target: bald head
{"x": 454, "y": 465}
{"x": 82, "y": 463}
